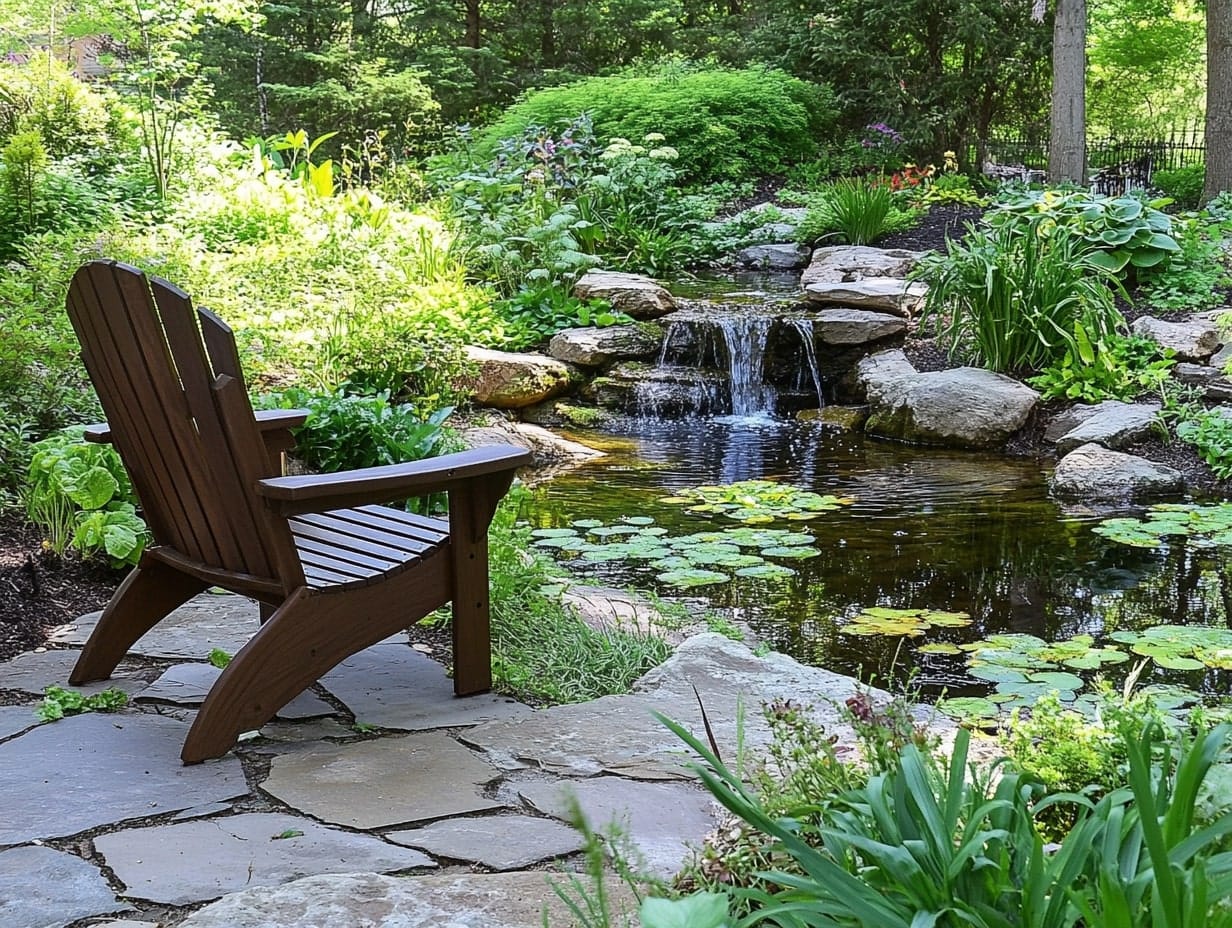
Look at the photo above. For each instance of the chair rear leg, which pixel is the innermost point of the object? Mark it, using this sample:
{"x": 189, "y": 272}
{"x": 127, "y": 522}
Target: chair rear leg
{"x": 147, "y": 595}
{"x": 472, "y": 620}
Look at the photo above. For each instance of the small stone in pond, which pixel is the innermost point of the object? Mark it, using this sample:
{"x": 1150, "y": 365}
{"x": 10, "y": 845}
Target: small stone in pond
{"x": 422, "y": 648}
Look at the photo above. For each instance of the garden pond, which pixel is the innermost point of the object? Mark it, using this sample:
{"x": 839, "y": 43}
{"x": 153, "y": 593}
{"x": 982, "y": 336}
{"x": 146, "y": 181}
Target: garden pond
{"x": 889, "y": 561}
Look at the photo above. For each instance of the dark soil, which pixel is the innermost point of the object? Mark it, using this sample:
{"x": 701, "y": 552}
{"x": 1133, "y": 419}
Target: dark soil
{"x": 39, "y": 590}
{"x": 940, "y": 224}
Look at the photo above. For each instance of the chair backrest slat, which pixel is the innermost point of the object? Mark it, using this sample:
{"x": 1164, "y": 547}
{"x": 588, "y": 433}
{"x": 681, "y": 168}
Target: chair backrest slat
{"x": 240, "y": 545}
{"x": 113, "y": 381}
{"x": 145, "y": 354}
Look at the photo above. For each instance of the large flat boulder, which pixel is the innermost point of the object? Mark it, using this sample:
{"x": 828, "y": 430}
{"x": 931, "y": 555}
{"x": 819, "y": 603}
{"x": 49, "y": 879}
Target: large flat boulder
{"x": 962, "y": 408}
{"x": 1215, "y": 384}
{"x": 595, "y": 347}
{"x": 876, "y": 294}
{"x": 1194, "y": 340}
{"x": 845, "y": 263}
{"x": 1093, "y": 473}
{"x": 507, "y": 380}
{"x": 633, "y": 294}
{"x": 856, "y": 326}
{"x": 1112, "y": 424}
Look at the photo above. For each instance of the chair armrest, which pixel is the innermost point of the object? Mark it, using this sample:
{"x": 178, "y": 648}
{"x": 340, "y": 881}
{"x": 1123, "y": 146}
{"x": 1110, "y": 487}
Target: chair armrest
{"x": 321, "y": 492}
{"x": 268, "y": 420}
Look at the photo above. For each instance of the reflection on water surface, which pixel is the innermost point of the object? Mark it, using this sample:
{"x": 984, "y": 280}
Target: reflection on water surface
{"x": 928, "y": 529}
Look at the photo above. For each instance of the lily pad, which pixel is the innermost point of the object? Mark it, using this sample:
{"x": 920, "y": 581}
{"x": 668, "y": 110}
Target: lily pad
{"x": 798, "y": 553}
{"x": 939, "y": 647}
{"x": 975, "y": 708}
{"x": 1204, "y": 526}
{"x": 756, "y": 502}
{"x": 766, "y": 571}
{"x": 692, "y": 577}
{"x": 554, "y": 533}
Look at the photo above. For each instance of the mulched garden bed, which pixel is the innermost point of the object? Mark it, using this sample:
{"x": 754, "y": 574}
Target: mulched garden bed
{"x": 39, "y": 590}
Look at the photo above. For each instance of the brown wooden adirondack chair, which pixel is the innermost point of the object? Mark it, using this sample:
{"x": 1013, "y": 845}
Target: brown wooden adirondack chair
{"x": 334, "y": 571}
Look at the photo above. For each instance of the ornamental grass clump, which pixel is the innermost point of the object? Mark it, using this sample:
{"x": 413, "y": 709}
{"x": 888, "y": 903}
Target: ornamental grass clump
{"x": 1017, "y": 303}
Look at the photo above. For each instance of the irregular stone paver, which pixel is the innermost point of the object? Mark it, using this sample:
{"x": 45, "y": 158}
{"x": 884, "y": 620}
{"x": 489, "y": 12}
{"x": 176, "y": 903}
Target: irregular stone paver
{"x": 14, "y": 719}
{"x": 99, "y": 769}
{"x": 1095, "y": 474}
{"x": 206, "y": 622}
{"x": 856, "y": 326}
{"x": 210, "y": 808}
{"x": 42, "y": 888}
{"x": 373, "y": 784}
{"x": 633, "y": 294}
{"x": 500, "y": 842}
{"x": 660, "y": 819}
{"x": 194, "y": 861}
{"x": 1194, "y": 340}
{"x": 34, "y": 671}
{"x": 618, "y": 734}
{"x": 394, "y": 686}
{"x": 508, "y": 380}
{"x": 594, "y": 347}
{"x": 783, "y": 257}
{"x": 846, "y": 263}
{"x": 1112, "y": 424}
{"x": 365, "y": 900}
{"x": 188, "y": 684}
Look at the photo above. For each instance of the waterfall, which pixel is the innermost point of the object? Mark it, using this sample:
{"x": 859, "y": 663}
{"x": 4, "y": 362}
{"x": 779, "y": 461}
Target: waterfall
{"x": 745, "y": 340}
{"x": 805, "y": 328}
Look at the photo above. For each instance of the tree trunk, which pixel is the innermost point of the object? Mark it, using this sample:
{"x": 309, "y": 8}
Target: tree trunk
{"x": 1067, "y": 146}
{"x": 1218, "y": 98}
{"x": 472, "y": 23}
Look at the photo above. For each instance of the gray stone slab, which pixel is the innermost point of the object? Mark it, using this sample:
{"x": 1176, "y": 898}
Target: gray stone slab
{"x": 375, "y": 784}
{"x": 619, "y": 734}
{"x": 394, "y": 686}
{"x": 42, "y": 888}
{"x": 1112, "y": 424}
{"x": 856, "y": 326}
{"x": 662, "y": 820}
{"x": 100, "y": 769}
{"x": 188, "y": 685}
{"x": 206, "y": 622}
{"x": 366, "y": 900}
{"x": 196, "y": 861}
{"x": 1093, "y": 474}
{"x": 1192, "y": 340}
{"x": 34, "y": 671}
{"x": 210, "y": 808}
{"x": 302, "y": 732}
{"x": 500, "y": 842}
{"x": 14, "y": 719}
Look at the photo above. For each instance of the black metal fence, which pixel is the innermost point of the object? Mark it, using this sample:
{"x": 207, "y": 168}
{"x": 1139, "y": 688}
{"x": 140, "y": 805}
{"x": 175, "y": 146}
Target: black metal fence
{"x": 1113, "y": 164}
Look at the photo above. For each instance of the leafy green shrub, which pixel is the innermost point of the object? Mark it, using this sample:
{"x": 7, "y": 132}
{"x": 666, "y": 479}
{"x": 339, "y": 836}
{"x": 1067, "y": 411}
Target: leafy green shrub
{"x": 346, "y": 431}
{"x": 1192, "y": 277}
{"x": 1210, "y": 433}
{"x": 1184, "y": 185}
{"x": 857, "y": 209}
{"x": 1018, "y": 302}
{"x": 726, "y": 123}
{"x": 70, "y": 115}
{"x": 1119, "y": 231}
{"x": 552, "y": 202}
{"x": 1117, "y": 368}
{"x": 531, "y": 316}
{"x": 80, "y": 494}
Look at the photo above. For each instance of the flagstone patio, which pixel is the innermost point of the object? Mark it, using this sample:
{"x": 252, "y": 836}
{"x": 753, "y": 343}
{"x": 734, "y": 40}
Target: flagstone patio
{"x": 379, "y": 770}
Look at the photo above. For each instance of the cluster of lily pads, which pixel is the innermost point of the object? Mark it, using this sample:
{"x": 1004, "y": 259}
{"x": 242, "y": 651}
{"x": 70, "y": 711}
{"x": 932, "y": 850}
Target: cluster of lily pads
{"x": 757, "y": 502}
{"x": 1022, "y": 668}
{"x": 881, "y": 620}
{"x": 683, "y": 561}
{"x": 1204, "y": 526}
